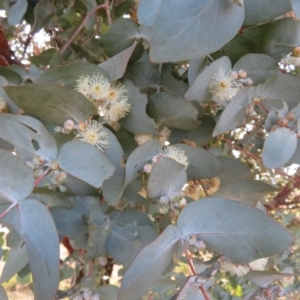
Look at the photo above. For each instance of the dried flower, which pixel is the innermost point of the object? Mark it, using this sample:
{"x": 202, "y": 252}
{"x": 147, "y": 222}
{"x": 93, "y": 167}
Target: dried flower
{"x": 223, "y": 86}
{"x": 142, "y": 138}
{"x": 291, "y": 60}
{"x": 164, "y": 135}
{"x": 176, "y": 154}
{"x": 233, "y": 269}
{"x": 259, "y": 264}
{"x": 3, "y": 106}
{"x": 115, "y": 111}
{"x": 94, "y": 135}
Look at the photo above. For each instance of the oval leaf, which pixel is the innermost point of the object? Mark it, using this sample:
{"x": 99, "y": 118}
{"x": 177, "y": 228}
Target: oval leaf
{"x": 52, "y": 103}
{"x": 172, "y": 110}
{"x": 248, "y": 191}
{"x": 72, "y": 158}
{"x": 16, "y": 179}
{"x": 139, "y": 157}
{"x": 202, "y": 164}
{"x": 137, "y": 121}
{"x": 67, "y": 75}
{"x": 262, "y": 279}
{"x": 173, "y": 174}
{"x": 41, "y": 240}
{"x": 279, "y": 147}
{"x": 239, "y": 232}
{"x": 149, "y": 264}
{"x": 189, "y": 37}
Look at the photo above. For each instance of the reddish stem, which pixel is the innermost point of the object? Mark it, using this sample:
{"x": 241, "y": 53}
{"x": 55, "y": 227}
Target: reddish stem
{"x": 8, "y": 209}
{"x": 41, "y": 177}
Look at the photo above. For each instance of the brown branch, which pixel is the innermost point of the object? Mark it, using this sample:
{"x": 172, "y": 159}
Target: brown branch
{"x": 102, "y": 6}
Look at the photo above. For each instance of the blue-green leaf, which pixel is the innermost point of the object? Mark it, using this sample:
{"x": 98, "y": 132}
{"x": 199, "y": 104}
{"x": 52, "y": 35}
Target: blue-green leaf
{"x": 173, "y": 174}
{"x": 279, "y": 147}
{"x": 149, "y": 265}
{"x": 42, "y": 100}
{"x": 72, "y": 158}
{"x": 3, "y": 295}
{"x": 41, "y": 240}
{"x": 139, "y": 157}
{"x": 236, "y": 230}
{"x": 172, "y": 110}
{"x": 16, "y": 12}
{"x": 137, "y": 121}
{"x": 189, "y": 28}
{"x": 16, "y": 178}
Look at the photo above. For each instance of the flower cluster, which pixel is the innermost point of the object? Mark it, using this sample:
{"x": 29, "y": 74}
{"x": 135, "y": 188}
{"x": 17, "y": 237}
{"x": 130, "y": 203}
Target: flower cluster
{"x": 56, "y": 176}
{"x": 177, "y": 154}
{"x": 223, "y": 86}
{"x": 111, "y": 99}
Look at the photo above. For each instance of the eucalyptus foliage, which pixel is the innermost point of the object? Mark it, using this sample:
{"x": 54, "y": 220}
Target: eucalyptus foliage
{"x": 156, "y": 135}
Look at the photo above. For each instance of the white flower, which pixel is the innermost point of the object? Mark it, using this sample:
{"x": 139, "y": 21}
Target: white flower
{"x": 259, "y": 264}
{"x": 164, "y": 134}
{"x": 94, "y": 134}
{"x": 142, "y": 138}
{"x": 95, "y": 88}
{"x": 233, "y": 269}
{"x": 82, "y": 85}
{"x": 223, "y": 86}
{"x": 291, "y": 60}
{"x": 117, "y": 93}
{"x": 176, "y": 154}
{"x": 115, "y": 111}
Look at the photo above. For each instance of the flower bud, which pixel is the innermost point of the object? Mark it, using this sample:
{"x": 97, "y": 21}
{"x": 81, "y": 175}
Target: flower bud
{"x": 81, "y": 126}
{"x": 192, "y": 240}
{"x": 296, "y": 51}
{"x": 248, "y": 82}
{"x": 61, "y": 176}
{"x": 290, "y": 116}
{"x": 37, "y": 160}
{"x": 147, "y": 168}
{"x": 234, "y": 75}
{"x": 63, "y": 189}
{"x": 182, "y": 202}
{"x": 155, "y": 158}
{"x": 242, "y": 73}
{"x": 279, "y": 291}
{"x": 54, "y": 165}
{"x": 256, "y": 100}
{"x": 68, "y": 126}
{"x": 282, "y": 122}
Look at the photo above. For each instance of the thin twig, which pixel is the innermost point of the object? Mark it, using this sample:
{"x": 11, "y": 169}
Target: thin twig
{"x": 190, "y": 262}
{"x": 107, "y": 10}
{"x": 8, "y": 209}
{"x": 67, "y": 44}
{"x": 41, "y": 177}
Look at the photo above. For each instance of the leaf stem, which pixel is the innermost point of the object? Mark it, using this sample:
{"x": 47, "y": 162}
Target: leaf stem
{"x": 41, "y": 177}
{"x": 8, "y": 209}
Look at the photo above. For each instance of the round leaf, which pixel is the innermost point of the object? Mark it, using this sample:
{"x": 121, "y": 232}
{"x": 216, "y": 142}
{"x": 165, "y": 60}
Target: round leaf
{"x": 72, "y": 158}
{"x": 41, "y": 240}
{"x": 172, "y": 110}
{"x": 149, "y": 264}
{"x": 16, "y": 180}
{"x": 52, "y": 103}
{"x": 239, "y": 232}
{"x": 173, "y": 174}
{"x": 137, "y": 121}
{"x": 188, "y": 26}
{"x": 279, "y": 147}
